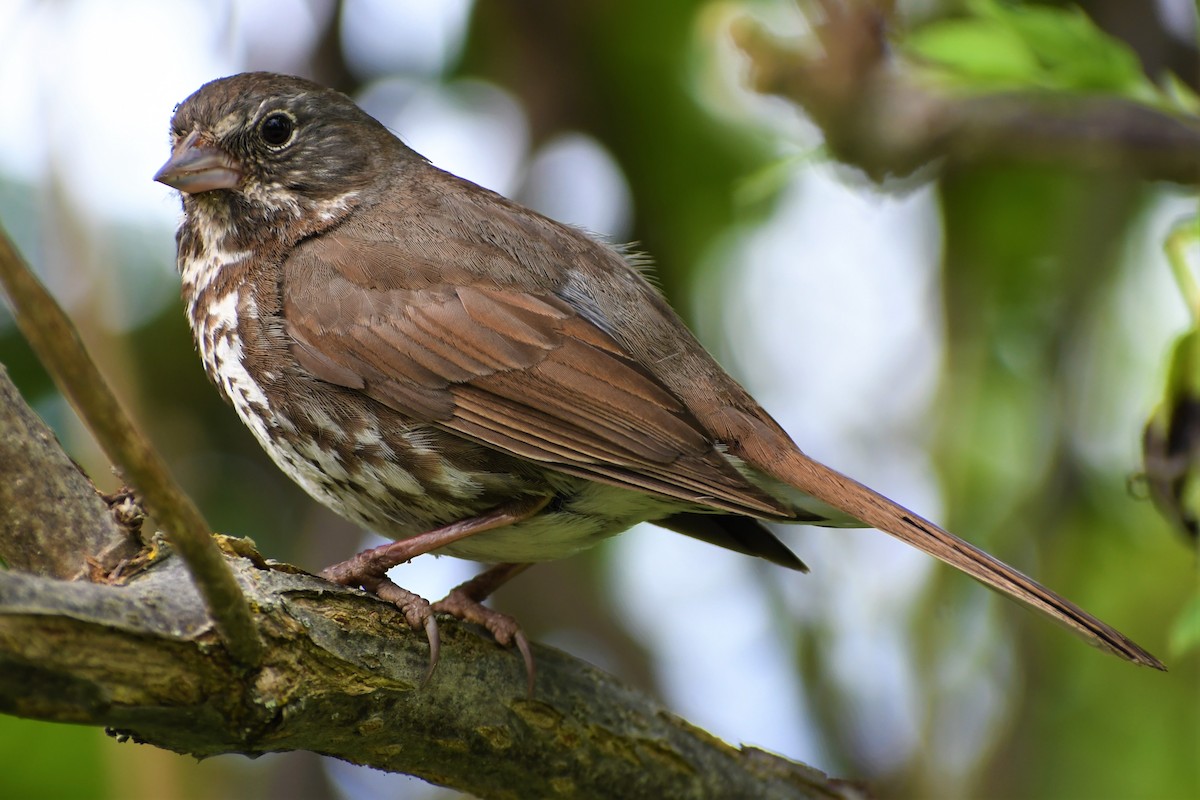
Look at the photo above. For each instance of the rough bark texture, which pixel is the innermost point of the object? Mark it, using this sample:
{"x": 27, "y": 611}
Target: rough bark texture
{"x": 340, "y": 676}
{"x": 51, "y": 518}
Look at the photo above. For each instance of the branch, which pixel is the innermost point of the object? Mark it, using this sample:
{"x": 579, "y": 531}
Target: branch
{"x": 341, "y": 677}
{"x": 57, "y": 344}
{"x": 877, "y": 116}
{"x": 54, "y": 522}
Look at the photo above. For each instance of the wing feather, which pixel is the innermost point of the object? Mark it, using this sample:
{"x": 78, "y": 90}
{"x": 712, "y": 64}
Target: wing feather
{"x": 520, "y": 371}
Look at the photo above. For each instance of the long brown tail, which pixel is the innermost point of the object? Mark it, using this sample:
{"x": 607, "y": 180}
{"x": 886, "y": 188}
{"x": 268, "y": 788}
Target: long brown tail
{"x": 846, "y": 494}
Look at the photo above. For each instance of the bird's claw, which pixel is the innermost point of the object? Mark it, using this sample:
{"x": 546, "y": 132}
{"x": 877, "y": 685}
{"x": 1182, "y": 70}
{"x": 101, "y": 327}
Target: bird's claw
{"x": 418, "y": 614}
{"x": 416, "y": 609}
{"x": 435, "y": 647}
{"x": 368, "y": 570}
{"x": 504, "y": 629}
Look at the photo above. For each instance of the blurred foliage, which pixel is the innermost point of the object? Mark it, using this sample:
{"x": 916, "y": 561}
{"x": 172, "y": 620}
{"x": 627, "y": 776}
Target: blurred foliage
{"x": 1171, "y": 442}
{"x": 1031, "y": 259}
{"x": 43, "y": 748}
{"x": 1185, "y": 635}
{"x": 1004, "y": 46}
{"x": 1029, "y": 256}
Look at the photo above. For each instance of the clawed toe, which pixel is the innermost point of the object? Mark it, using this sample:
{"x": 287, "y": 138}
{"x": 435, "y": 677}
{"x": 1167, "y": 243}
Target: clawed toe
{"x": 526, "y": 655}
{"x": 368, "y": 570}
{"x": 504, "y": 629}
{"x": 416, "y": 609}
{"x": 418, "y": 614}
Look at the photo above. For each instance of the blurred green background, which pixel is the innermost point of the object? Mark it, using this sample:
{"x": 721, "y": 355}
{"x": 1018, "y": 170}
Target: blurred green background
{"x": 983, "y": 344}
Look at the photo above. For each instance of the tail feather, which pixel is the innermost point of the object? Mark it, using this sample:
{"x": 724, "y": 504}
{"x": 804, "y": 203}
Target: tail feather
{"x": 734, "y": 532}
{"x": 846, "y": 494}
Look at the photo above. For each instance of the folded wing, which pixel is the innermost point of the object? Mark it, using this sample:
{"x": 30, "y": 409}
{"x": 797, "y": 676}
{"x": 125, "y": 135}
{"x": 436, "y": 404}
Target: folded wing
{"x": 518, "y": 371}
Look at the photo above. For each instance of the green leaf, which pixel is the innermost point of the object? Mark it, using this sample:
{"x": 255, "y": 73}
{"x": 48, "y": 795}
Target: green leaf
{"x": 1005, "y": 46}
{"x": 1072, "y": 51}
{"x": 978, "y": 50}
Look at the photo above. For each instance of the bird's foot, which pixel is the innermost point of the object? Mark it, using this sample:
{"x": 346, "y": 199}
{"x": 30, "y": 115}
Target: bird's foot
{"x": 365, "y": 570}
{"x": 368, "y": 570}
{"x": 464, "y": 603}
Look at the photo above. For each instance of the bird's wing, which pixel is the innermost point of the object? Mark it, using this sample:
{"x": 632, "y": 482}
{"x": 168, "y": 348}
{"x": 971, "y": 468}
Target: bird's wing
{"x": 519, "y": 371}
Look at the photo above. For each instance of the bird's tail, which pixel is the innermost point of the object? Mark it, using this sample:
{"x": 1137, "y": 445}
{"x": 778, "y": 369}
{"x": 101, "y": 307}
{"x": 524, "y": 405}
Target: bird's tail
{"x": 850, "y": 496}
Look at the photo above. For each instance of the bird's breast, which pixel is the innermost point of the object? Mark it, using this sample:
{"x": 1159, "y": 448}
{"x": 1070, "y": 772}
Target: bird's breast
{"x": 365, "y": 461}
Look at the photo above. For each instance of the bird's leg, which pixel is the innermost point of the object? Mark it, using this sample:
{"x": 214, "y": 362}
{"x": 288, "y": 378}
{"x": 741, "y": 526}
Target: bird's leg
{"x": 374, "y": 562}
{"x": 369, "y": 569}
{"x": 465, "y": 602}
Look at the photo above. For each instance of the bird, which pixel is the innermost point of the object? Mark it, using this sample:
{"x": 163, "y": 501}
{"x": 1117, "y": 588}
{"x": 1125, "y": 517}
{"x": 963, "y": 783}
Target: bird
{"x": 463, "y": 375}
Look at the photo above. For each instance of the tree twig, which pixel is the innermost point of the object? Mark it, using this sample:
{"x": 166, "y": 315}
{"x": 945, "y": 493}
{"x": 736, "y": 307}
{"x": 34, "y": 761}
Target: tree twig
{"x": 57, "y": 344}
{"x": 876, "y": 115}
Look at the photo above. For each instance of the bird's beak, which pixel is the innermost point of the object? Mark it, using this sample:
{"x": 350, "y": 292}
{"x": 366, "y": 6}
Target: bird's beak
{"x": 196, "y": 166}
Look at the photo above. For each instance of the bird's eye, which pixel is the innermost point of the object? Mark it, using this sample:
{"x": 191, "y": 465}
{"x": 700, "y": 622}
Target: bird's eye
{"x": 276, "y": 129}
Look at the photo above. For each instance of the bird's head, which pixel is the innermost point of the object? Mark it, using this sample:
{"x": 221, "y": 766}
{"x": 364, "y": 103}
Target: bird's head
{"x": 274, "y": 144}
